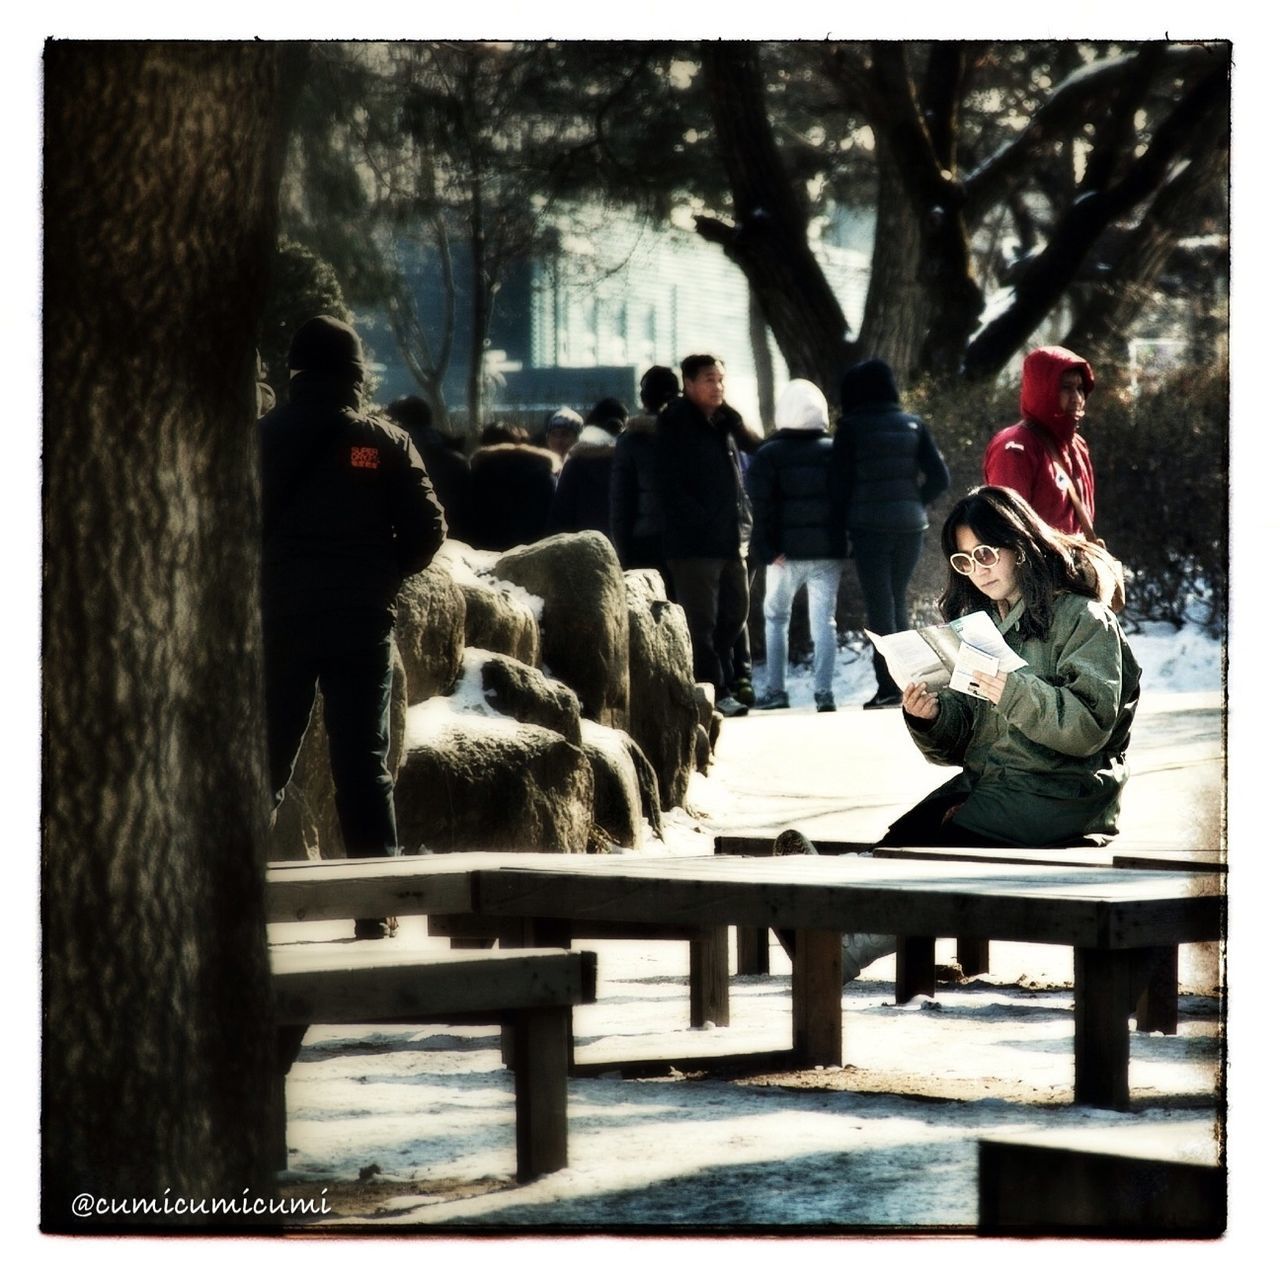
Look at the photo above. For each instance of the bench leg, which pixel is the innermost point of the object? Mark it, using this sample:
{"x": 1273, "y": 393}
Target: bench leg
{"x": 1102, "y": 1028}
{"x": 973, "y": 955}
{"x": 914, "y": 973}
{"x": 1154, "y": 989}
{"x": 753, "y": 951}
{"x": 709, "y": 977}
{"x": 288, "y": 1042}
{"x": 817, "y": 1033}
{"x": 539, "y": 1040}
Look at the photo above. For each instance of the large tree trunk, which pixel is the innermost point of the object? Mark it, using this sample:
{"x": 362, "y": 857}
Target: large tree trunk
{"x": 770, "y": 240}
{"x": 894, "y": 316}
{"x": 161, "y": 168}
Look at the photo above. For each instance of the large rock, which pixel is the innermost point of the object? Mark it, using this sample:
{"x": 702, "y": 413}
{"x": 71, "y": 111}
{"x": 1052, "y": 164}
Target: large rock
{"x": 493, "y": 681}
{"x": 430, "y": 630}
{"x": 500, "y": 621}
{"x": 306, "y": 823}
{"x": 626, "y": 790}
{"x": 500, "y": 616}
{"x": 584, "y": 616}
{"x": 487, "y": 782}
{"x": 664, "y": 710}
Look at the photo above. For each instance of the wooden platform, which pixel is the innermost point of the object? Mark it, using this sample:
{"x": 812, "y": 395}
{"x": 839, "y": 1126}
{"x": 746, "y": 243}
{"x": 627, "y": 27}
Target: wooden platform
{"x": 1120, "y": 924}
{"x": 1124, "y": 925}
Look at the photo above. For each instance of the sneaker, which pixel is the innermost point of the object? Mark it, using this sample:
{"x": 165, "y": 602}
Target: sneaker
{"x": 745, "y": 692}
{"x": 824, "y": 700}
{"x": 791, "y": 841}
{"x": 370, "y": 929}
{"x": 861, "y": 949}
{"x": 773, "y": 700}
{"x": 893, "y": 699}
{"x": 730, "y": 706}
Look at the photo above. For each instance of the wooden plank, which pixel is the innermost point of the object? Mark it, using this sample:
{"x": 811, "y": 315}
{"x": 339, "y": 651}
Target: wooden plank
{"x": 1102, "y": 1028}
{"x": 753, "y": 950}
{"x": 914, "y": 973}
{"x": 816, "y": 991}
{"x": 973, "y": 955}
{"x": 368, "y": 888}
{"x": 1156, "y": 1002}
{"x": 1078, "y": 1186}
{"x": 1073, "y": 857}
{"x": 709, "y": 977}
{"x": 477, "y": 926}
{"x": 1067, "y": 906}
{"x": 337, "y": 983}
{"x": 539, "y": 1042}
{"x": 762, "y": 845}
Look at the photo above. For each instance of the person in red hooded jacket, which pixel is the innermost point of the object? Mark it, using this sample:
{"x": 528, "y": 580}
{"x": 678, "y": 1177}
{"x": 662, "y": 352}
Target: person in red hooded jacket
{"x": 1030, "y": 456}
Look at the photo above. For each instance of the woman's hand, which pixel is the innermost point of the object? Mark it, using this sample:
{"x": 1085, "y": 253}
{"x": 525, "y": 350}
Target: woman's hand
{"x": 991, "y": 687}
{"x": 919, "y": 702}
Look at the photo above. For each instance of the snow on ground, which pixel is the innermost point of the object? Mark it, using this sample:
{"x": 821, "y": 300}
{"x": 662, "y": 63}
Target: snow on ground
{"x": 427, "y": 1111}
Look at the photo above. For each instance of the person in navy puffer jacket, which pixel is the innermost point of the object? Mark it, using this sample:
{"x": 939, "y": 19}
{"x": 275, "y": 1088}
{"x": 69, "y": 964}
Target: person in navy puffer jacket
{"x": 797, "y": 533}
{"x": 885, "y": 470}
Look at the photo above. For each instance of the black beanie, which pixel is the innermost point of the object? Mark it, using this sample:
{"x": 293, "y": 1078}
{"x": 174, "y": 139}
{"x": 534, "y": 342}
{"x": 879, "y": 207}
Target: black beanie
{"x": 326, "y": 345}
{"x": 610, "y": 408}
{"x": 658, "y": 385}
{"x": 869, "y": 382}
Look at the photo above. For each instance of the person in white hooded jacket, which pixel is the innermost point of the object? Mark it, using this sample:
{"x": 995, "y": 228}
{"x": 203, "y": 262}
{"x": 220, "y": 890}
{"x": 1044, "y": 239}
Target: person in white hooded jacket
{"x": 797, "y": 534}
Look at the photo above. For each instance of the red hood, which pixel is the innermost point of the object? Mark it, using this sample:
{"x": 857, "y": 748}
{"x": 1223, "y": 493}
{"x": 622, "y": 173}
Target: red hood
{"x": 1042, "y": 372}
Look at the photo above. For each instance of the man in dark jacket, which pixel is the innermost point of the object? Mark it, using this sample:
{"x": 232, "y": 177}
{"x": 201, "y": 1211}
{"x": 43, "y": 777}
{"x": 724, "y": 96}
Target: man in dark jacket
{"x": 706, "y": 519}
{"x": 513, "y": 484}
{"x": 797, "y": 533}
{"x": 447, "y": 468}
{"x": 635, "y": 505}
{"x": 347, "y": 514}
{"x": 885, "y": 470}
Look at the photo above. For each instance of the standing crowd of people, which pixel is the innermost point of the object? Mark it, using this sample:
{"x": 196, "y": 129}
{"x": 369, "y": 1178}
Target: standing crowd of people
{"x": 354, "y": 502}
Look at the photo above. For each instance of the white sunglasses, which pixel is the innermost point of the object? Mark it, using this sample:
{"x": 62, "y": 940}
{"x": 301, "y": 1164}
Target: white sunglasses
{"x": 966, "y": 561}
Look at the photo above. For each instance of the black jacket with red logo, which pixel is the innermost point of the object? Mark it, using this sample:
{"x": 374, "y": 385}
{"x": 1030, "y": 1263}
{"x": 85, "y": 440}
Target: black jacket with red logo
{"x": 347, "y": 509}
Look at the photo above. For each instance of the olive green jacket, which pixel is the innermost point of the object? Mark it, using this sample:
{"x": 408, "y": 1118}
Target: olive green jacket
{"x": 1046, "y": 764}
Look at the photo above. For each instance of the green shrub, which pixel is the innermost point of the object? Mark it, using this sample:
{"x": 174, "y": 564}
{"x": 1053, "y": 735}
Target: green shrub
{"x": 1160, "y": 462}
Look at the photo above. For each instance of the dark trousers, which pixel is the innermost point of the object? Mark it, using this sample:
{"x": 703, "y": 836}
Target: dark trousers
{"x": 885, "y": 562}
{"x": 715, "y": 599}
{"x": 926, "y": 824}
{"x": 350, "y": 660}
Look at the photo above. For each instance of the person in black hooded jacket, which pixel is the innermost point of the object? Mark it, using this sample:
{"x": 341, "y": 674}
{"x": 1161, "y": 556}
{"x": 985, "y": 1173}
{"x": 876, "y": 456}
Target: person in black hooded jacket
{"x": 885, "y": 470}
{"x": 706, "y": 519}
{"x": 347, "y": 513}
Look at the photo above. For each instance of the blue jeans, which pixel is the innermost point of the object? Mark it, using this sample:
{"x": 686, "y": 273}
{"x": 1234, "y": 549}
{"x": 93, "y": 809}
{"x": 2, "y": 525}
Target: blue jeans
{"x": 781, "y": 582}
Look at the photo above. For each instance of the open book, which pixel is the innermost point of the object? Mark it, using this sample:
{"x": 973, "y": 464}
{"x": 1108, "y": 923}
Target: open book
{"x": 947, "y": 655}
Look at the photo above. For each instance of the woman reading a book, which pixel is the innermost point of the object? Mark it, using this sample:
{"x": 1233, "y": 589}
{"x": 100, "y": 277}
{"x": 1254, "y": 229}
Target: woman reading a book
{"x": 1042, "y": 748}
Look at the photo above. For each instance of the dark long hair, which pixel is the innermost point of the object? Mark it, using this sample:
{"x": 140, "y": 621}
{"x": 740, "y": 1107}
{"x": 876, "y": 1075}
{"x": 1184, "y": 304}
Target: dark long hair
{"x": 1048, "y": 562}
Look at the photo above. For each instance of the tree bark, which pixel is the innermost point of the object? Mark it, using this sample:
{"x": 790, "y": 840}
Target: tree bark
{"x": 769, "y": 240}
{"x": 1057, "y": 265}
{"x": 762, "y": 358}
{"x": 161, "y": 171}
{"x": 895, "y": 311}
{"x": 1113, "y": 306}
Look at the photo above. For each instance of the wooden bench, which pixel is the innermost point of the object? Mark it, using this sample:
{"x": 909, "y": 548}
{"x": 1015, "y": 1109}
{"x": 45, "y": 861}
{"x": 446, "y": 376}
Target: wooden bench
{"x": 1115, "y": 920}
{"x": 436, "y": 885}
{"x": 528, "y": 993}
{"x": 1155, "y": 994}
{"x": 1157, "y": 1182}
